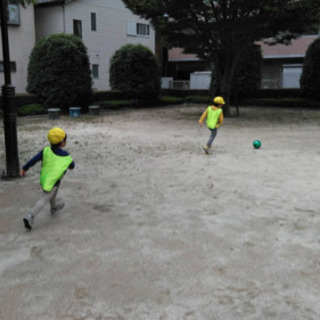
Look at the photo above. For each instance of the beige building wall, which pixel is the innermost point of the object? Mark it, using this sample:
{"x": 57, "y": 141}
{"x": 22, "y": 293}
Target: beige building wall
{"x": 113, "y": 23}
{"x": 21, "y": 43}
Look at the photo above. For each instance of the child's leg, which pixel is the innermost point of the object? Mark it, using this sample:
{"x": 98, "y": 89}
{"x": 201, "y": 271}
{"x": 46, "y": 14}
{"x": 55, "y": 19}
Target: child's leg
{"x": 212, "y": 136}
{"x": 54, "y": 207}
{"x": 53, "y": 199}
{"x": 43, "y": 200}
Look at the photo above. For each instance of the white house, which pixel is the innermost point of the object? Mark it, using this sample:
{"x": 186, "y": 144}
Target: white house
{"x": 103, "y": 25}
{"x": 21, "y": 32}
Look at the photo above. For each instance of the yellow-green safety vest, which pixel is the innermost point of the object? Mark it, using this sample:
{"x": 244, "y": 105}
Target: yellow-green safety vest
{"x": 53, "y": 168}
{"x": 212, "y": 117}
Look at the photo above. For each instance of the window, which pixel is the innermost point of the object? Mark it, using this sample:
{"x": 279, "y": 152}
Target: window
{"x": 13, "y": 13}
{"x": 137, "y": 29}
{"x": 13, "y": 67}
{"x": 143, "y": 29}
{"x": 95, "y": 71}
{"x": 77, "y": 28}
{"x": 93, "y": 21}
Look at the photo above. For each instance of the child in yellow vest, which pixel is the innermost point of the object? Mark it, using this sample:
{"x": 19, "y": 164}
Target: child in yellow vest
{"x": 55, "y": 163}
{"x": 214, "y": 116}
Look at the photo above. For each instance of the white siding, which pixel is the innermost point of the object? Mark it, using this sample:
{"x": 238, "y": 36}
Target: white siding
{"x": 49, "y": 20}
{"x": 111, "y": 34}
{"x": 21, "y": 42}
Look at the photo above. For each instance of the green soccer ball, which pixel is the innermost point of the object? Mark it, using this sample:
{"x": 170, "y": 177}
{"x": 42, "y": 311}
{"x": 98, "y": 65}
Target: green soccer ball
{"x": 256, "y": 144}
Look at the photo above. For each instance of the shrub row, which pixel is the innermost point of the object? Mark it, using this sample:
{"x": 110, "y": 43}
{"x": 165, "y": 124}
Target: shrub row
{"x": 28, "y": 104}
{"x": 22, "y": 100}
{"x": 285, "y": 102}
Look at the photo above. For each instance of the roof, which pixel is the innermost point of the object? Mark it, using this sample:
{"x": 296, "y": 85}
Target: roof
{"x": 297, "y": 49}
{"x": 176, "y": 54}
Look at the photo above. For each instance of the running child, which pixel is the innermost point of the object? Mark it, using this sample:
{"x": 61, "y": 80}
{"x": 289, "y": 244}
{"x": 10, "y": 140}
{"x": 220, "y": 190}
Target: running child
{"x": 55, "y": 162}
{"x": 214, "y": 116}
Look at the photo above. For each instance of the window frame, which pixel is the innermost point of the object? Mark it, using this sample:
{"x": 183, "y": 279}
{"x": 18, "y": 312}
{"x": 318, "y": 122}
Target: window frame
{"x": 13, "y": 66}
{"x": 143, "y": 29}
{"x": 76, "y": 24}
{"x": 95, "y": 71}
{"x": 93, "y": 21}
{"x": 13, "y": 13}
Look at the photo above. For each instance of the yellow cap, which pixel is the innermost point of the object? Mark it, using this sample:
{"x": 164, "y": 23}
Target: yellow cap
{"x": 218, "y": 100}
{"x": 56, "y": 135}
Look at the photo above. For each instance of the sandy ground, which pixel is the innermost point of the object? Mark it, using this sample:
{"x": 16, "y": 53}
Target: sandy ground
{"x": 154, "y": 229}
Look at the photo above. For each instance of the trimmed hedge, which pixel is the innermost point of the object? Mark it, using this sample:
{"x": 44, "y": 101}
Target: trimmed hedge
{"x": 117, "y": 103}
{"x": 199, "y": 99}
{"x": 109, "y": 95}
{"x": 172, "y": 100}
{"x": 183, "y": 93}
{"x": 59, "y": 71}
{"x": 134, "y": 71}
{"x": 32, "y": 109}
{"x": 276, "y": 93}
{"x": 22, "y": 99}
{"x": 116, "y": 99}
{"x": 285, "y": 102}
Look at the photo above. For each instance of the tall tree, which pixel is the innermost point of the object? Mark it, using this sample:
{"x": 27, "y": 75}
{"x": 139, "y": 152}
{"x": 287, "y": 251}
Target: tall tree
{"x": 219, "y": 30}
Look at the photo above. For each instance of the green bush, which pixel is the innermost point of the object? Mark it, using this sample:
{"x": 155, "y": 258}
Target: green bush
{"x": 59, "y": 71}
{"x": 310, "y": 78}
{"x": 135, "y": 72}
{"x": 32, "y": 109}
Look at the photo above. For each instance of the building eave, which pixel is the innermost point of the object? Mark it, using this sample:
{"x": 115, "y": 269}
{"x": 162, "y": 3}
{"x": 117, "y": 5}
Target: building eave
{"x": 47, "y": 3}
{"x": 290, "y": 56}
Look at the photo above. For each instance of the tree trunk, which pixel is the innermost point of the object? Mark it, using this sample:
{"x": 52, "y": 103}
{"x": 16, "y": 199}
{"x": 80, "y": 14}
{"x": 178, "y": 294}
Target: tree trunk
{"x": 230, "y": 62}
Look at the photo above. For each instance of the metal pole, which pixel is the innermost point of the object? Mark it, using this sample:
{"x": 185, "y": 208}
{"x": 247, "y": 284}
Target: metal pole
{"x": 9, "y": 109}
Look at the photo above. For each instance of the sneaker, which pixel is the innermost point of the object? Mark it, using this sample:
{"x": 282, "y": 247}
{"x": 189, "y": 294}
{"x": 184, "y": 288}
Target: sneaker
{"x": 58, "y": 207}
{"x": 28, "y": 221}
{"x": 206, "y": 149}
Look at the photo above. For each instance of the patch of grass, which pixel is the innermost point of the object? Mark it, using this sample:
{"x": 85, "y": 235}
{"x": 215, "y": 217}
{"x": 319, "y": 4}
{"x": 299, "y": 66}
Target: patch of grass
{"x": 32, "y": 109}
{"x": 199, "y": 99}
{"x": 117, "y": 103}
{"x": 284, "y": 102}
{"x": 171, "y": 100}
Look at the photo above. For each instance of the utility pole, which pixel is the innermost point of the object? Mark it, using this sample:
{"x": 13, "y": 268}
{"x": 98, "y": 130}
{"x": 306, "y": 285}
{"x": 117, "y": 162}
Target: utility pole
{"x": 9, "y": 109}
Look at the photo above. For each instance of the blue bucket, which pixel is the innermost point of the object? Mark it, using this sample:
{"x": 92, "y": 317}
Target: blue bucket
{"x": 74, "y": 112}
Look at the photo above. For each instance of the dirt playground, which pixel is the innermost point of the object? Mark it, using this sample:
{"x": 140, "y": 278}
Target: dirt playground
{"x": 155, "y": 229}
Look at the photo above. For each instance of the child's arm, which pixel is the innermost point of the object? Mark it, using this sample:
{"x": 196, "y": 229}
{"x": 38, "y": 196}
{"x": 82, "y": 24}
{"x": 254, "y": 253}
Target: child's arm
{"x": 72, "y": 165}
{"x": 220, "y": 120}
{"x": 30, "y": 163}
{"x": 203, "y": 117}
